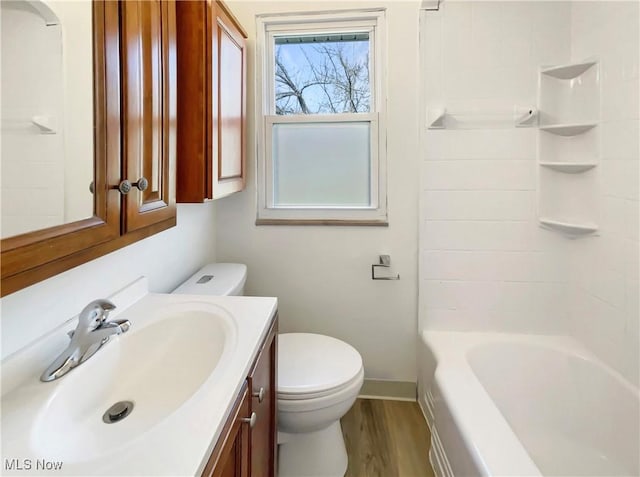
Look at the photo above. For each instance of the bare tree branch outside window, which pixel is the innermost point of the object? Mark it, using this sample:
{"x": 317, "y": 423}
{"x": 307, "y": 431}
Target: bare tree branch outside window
{"x": 322, "y": 78}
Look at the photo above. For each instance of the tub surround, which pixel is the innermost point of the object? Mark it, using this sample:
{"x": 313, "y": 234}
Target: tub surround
{"x": 508, "y": 404}
{"x": 488, "y": 267}
{"x": 184, "y": 438}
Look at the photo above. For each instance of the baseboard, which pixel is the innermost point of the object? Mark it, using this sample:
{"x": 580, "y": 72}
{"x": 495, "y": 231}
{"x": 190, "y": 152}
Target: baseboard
{"x": 394, "y": 390}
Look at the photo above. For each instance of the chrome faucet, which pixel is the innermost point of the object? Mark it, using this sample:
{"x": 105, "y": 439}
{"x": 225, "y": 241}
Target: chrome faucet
{"x": 92, "y": 332}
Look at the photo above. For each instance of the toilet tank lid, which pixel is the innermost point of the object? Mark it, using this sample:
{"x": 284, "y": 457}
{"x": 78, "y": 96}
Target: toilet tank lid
{"x": 216, "y": 279}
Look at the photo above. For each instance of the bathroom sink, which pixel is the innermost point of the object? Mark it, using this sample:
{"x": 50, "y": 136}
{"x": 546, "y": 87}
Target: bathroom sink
{"x": 182, "y": 363}
{"x": 159, "y": 365}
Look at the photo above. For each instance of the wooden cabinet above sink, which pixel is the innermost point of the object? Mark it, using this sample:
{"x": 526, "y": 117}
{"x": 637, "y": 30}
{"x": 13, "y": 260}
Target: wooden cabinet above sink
{"x": 211, "y": 101}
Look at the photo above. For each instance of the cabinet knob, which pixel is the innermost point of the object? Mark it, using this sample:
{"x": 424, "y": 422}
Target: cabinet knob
{"x": 259, "y": 395}
{"x": 92, "y": 188}
{"x": 251, "y": 420}
{"x": 125, "y": 186}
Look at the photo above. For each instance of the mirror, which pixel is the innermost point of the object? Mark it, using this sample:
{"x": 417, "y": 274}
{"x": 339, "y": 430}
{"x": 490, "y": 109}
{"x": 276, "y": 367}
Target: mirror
{"x": 47, "y": 115}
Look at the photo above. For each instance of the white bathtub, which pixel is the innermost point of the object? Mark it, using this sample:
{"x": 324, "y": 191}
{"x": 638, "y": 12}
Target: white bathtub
{"x": 523, "y": 405}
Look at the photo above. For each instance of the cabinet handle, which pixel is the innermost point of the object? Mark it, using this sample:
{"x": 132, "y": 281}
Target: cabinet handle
{"x": 125, "y": 186}
{"x": 259, "y": 395}
{"x": 251, "y": 420}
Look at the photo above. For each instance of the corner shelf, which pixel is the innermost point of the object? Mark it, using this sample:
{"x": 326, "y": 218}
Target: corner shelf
{"x": 569, "y": 228}
{"x": 569, "y": 167}
{"x": 568, "y": 146}
{"x": 572, "y": 129}
{"x": 568, "y": 71}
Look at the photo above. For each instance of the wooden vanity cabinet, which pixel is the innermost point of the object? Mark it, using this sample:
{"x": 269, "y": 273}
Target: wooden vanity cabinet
{"x": 211, "y": 101}
{"x": 230, "y": 457}
{"x": 262, "y": 383}
{"x": 243, "y": 450}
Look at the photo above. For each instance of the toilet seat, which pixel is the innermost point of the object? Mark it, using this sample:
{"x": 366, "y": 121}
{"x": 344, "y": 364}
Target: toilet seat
{"x": 311, "y": 366}
{"x": 296, "y": 404}
{"x": 356, "y": 380}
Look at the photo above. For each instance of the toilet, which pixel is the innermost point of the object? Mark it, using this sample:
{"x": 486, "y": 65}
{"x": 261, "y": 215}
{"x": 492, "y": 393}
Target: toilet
{"x": 319, "y": 378}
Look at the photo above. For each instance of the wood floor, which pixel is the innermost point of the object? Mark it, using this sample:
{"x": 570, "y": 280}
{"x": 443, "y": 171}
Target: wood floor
{"x": 386, "y": 439}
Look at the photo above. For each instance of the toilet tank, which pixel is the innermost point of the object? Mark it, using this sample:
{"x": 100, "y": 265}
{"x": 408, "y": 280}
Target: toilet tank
{"x": 216, "y": 279}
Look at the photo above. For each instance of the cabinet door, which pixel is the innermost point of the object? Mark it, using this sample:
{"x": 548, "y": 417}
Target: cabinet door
{"x": 149, "y": 110}
{"x": 263, "y": 402}
{"x": 193, "y": 22}
{"x": 229, "y": 102}
{"x": 230, "y": 456}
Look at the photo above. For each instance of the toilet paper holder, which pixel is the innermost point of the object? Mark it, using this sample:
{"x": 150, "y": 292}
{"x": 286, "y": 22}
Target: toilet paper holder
{"x": 385, "y": 262}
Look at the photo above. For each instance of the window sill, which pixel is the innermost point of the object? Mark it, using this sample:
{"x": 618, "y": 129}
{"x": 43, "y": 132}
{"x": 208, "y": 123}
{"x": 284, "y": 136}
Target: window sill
{"x": 343, "y": 222}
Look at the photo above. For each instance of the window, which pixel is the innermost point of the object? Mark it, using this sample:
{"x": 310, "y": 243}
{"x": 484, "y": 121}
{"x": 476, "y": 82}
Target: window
{"x": 320, "y": 112}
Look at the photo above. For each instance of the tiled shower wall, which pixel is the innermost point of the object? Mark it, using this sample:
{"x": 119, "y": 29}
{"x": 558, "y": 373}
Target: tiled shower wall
{"x": 604, "y": 309}
{"x": 485, "y": 264}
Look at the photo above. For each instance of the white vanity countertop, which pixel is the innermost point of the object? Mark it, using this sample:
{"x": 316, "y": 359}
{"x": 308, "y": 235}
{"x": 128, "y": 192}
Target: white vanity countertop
{"x": 178, "y": 444}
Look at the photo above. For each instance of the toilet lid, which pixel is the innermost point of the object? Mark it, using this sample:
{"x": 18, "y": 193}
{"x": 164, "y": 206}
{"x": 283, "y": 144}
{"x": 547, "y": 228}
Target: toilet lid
{"x": 310, "y": 363}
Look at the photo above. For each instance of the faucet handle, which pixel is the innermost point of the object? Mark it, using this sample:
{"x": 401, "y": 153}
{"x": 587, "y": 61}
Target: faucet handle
{"x": 94, "y": 314}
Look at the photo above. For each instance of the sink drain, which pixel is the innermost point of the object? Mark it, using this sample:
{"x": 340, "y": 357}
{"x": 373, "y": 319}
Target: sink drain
{"x": 117, "y": 412}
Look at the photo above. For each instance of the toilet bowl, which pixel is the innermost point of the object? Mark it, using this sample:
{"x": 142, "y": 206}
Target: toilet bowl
{"x": 319, "y": 378}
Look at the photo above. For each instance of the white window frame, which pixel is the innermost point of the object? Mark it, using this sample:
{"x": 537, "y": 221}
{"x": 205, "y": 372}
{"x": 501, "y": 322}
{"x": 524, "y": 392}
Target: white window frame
{"x": 271, "y": 26}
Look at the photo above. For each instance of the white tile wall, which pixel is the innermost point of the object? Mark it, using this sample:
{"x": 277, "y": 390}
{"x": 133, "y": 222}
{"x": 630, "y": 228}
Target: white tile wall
{"x": 478, "y": 175}
{"x": 476, "y": 235}
{"x": 477, "y": 205}
{"x": 603, "y": 309}
{"x": 485, "y": 264}
{"x": 492, "y": 266}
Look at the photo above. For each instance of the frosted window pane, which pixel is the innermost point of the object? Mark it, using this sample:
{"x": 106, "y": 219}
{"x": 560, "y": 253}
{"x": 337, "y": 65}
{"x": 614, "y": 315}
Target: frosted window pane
{"x": 323, "y": 165}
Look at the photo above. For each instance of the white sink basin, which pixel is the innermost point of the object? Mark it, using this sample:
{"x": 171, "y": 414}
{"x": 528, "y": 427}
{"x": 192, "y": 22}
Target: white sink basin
{"x": 181, "y": 363}
{"x": 158, "y": 367}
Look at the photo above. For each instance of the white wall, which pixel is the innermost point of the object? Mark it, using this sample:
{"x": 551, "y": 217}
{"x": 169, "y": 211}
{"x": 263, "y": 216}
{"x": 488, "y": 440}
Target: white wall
{"x": 485, "y": 263}
{"x": 321, "y": 274}
{"x": 167, "y": 259}
{"x": 604, "y": 306}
